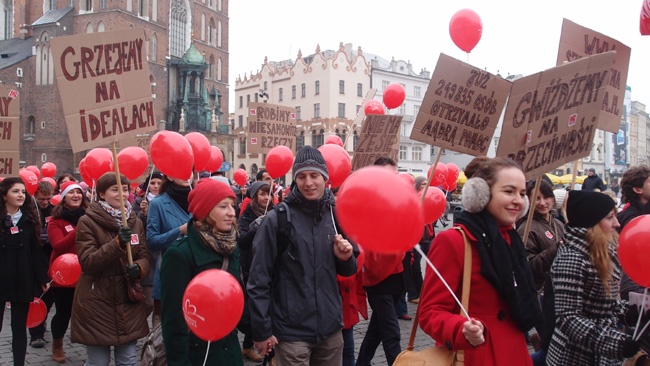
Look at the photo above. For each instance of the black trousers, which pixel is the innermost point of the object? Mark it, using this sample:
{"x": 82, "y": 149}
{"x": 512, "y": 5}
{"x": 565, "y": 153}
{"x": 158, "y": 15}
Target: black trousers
{"x": 19, "y": 312}
{"x": 63, "y": 297}
{"x": 383, "y": 328}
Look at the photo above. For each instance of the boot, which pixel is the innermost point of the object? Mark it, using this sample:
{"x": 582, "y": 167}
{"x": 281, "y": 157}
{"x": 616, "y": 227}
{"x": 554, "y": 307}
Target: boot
{"x": 58, "y": 354}
{"x": 251, "y": 354}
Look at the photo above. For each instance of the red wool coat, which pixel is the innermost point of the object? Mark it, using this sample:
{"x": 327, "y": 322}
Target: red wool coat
{"x": 504, "y": 342}
{"x": 62, "y": 235}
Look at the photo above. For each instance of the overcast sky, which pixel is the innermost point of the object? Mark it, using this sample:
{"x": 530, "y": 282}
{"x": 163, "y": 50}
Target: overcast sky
{"x": 519, "y": 36}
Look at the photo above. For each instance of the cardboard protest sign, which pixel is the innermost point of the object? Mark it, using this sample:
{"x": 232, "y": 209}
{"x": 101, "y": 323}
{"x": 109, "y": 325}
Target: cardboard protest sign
{"x": 461, "y": 107}
{"x": 379, "y": 138}
{"x": 140, "y": 140}
{"x": 576, "y": 42}
{"x": 270, "y": 125}
{"x": 103, "y": 80}
{"x": 552, "y": 116}
{"x": 9, "y": 131}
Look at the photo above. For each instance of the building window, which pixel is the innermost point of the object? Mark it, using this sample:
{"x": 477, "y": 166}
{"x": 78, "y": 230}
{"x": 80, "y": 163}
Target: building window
{"x": 102, "y": 4}
{"x": 248, "y": 100}
{"x": 300, "y": 140}
{"x": 341, "y": 110}
{"x": 359, "y": 90}
{"x": 7, "y": 19}
{"x": 203, "y": 27}
{"x": 178, "y": 28}
{"x": 242, "y": 146}
{"x": 384, "y": 84}
{"x": 293, "y": 92}
{"x": 341, "y": 86}
{"x": 241, "y": 101}
{"x": 100, "y": 27}
{"x": 417, "y": 92}
{"x": 355, "y": 140}
{"x": 280, "y": 94}
{"x": 256, "y": 97}
{"x": 303, "y": 90}
{"x": 417, "y": 153}
{"x": 219, "y": 70}
{"x": 154, "y": 47}
{"x": 211, "y": 32}
{"x": 318, "y": 139}
{"x": 31, "y": 125}
{"x": 316, "y": 110}
{"x": 219, "y": 34}
{"x": 220, "y": 5}
{"x": 298, "y": 114}
{"x": 266, "y": 85}
{"x": 402, "y": 109}
{"x": 344, "y": 137}
{"x": 317, "y": 87}
{"x": 356, "y": 111}
{"x": 211, "y": 67}
{"x": 416, "y": 110}
{"x": 241, "y": 121}
{"x": 402, "y": 152}
{"x": 141, "y": 8}
{"x": 88, "y": 5}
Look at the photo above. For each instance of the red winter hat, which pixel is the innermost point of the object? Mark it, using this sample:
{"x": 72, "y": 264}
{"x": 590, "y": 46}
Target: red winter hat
{"x": 207, "y": 194}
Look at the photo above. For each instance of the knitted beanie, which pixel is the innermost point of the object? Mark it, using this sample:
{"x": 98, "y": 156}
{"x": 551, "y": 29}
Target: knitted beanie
{"x": 309, "y": 158}
{"x": 250, "y": 192}
{"x": 560, "y": 196}
{"x": 207, "y": 194}
{"x": 67, "y": 187}
{"x": 587, "y": 208}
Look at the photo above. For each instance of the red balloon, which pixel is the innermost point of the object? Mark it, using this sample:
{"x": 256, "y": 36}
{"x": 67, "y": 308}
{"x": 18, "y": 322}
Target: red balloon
{"x": 172, "y": 154}
{"x": 133, "y": 161}
{"x": 447, "y": 187}
{"x": 49, "y": 180}
{"x": 216, "y": 159}
{"x": 361, "y": 259}
{"x": 452, "y": 174}
{"x": 434, "y": 205}
{"x": 374, "y": 107}
{"x": 439, "y": 175}
{"x": 644, "y": 21}
{"x": 394, "y": 95}
{"x": 334, "y": 139}
{"x": 48, "y": 170}
{"x": 633, "y": 248}
{"x": 83, "y": 172}
{"x": 240, "y": 176}
{"x": 200, "y": 149}
{"x": 279, "y": 161}
{"x": 98, "y": 161}
{"x": 386, "y": 220}
{"x": 37, "y": 313}
{"x": 30, "y": 180}
{"x": 34, "y": 169}
{"x": 338, "y": 163}
{"x": 408, "y": 178}
{"x": 213, "y": 304}
{"x": 466, "y": 29}
{"x": 55, "y": 200}
{"x": 65, "y": 269}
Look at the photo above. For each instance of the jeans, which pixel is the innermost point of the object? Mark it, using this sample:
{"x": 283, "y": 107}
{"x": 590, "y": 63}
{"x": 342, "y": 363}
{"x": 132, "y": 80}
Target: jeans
{"x": 400, "y": 306}
{"x": 348, "y": 346}
{"x": 539, "y": 358}
{"x": 125, "y": 355}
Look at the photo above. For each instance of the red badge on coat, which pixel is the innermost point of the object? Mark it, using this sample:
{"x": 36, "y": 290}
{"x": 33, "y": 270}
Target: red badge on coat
{"x": 548, "y": 234}
{"x": 68, "y": 228}
{"x": 134, "y": 239}
{"x": 14, "y": 230}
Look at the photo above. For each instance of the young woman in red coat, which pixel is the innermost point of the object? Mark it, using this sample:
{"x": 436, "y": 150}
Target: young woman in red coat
{"x": 61, "y": 231}
{"x": 502, "y": 301}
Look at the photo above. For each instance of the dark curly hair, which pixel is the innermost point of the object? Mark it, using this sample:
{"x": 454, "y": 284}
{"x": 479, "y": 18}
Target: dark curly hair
{"x": 29, "y": 206}
{"x": 633, "y": 178}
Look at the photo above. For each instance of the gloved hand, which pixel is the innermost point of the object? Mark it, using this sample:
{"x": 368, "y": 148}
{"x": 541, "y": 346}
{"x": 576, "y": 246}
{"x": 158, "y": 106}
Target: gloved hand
{"x": 124, "y": 237}
{"x": 630, "y": 347}
{"x": 133, "y": 271}
{"x": 256, "y": 224}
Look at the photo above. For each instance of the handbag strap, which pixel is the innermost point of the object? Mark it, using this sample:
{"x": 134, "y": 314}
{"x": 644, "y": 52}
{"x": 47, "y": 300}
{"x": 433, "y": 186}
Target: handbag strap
{"x": 467, "y": 276}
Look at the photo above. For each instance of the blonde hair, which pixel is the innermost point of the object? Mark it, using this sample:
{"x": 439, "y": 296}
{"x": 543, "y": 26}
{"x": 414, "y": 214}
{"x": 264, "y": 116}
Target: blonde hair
{"x": 599, "y": 254}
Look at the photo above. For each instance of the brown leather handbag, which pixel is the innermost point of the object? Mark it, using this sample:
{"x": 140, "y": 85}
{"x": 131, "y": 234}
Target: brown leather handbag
{"x": 437, "y": 355}
{"x": 134, "y": 288}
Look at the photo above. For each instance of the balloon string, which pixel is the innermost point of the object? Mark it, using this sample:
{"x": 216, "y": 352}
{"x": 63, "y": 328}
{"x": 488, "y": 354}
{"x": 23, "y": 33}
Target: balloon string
{"x": 332, "y": 214}
{"x": 92, "y": 192}
{"x": 49, "y": 283}
{"x": 270, "y": 196}
{"x": 417, "y": 247}
{"x": 207, "y": 351}
{"x": 641, "y": 311}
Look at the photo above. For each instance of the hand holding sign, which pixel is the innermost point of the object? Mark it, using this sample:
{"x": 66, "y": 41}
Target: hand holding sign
{"x": 210, "y": 290}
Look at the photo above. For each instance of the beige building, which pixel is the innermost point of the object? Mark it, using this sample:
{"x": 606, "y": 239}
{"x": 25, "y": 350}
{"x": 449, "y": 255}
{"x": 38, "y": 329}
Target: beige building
{"x": 327, "y": 89}
{"x": 639, "y": 135}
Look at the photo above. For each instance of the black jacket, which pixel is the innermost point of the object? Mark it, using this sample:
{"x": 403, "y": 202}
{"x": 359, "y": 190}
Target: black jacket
{"x": 296, "y": 297}
{"x": 23, "y": 267}
{"x": 245, "y": 241}
{"x": 593, "y": 182}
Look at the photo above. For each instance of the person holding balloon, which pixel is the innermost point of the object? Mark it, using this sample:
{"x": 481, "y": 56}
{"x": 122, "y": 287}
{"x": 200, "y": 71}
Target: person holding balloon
{"x": 293, "y": 293}
{"x": 502, "y": 299}
{"x": 210, "y": 243}
{"x": 585, "y": 275}
{"x": 23, "y": 267}
{"x": 103, "y": 314}
{"x": 150, "y": 190}
{"x": 62, "y": 232}
{"x": 43, "y": 195}
{"x": 167, "y": 220}
{"x": 248, "y": 223}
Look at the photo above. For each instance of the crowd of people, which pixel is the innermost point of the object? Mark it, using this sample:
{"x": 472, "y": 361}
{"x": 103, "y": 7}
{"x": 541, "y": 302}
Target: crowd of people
{"x": 552, "y": 280}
